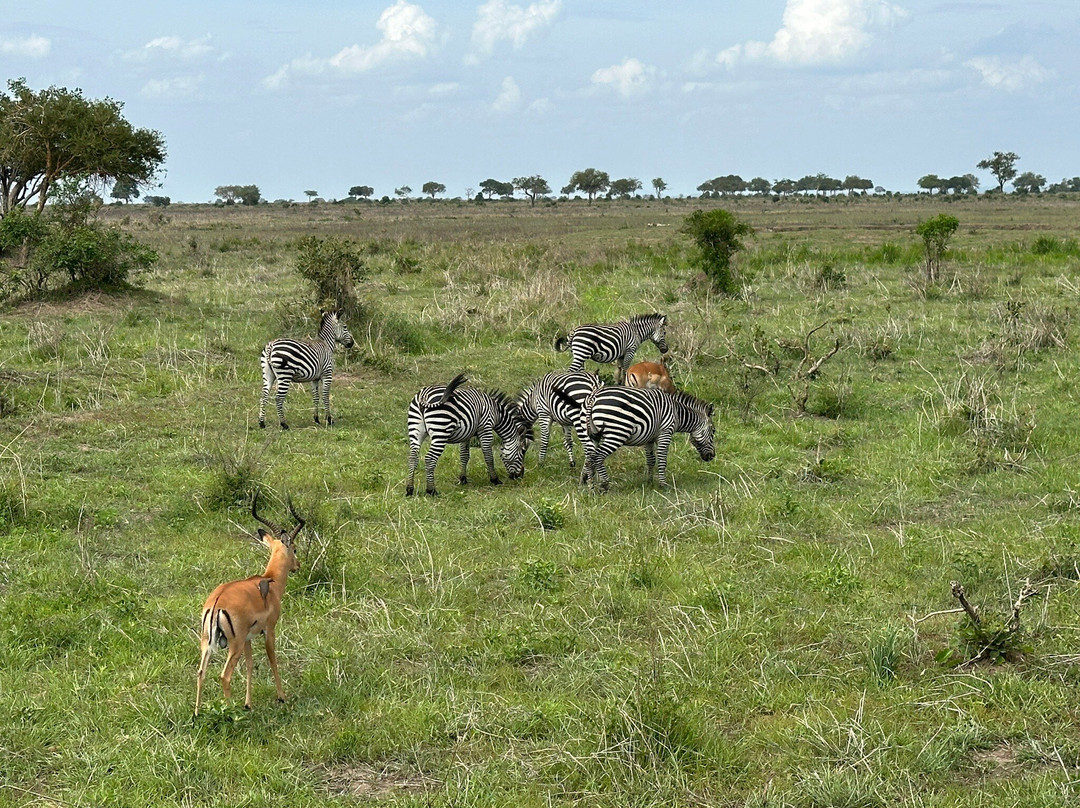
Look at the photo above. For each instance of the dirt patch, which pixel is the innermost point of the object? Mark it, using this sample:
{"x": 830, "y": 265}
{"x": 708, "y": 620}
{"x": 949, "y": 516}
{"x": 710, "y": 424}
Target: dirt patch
{"x": 1001, "y": 761}
{"x": 368, "y": 781}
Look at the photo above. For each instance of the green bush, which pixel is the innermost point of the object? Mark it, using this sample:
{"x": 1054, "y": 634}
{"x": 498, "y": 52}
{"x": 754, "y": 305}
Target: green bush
{"x": 936, "y": 233}
{"x": 334, "y": 265}
{"x": 717, "y": 234}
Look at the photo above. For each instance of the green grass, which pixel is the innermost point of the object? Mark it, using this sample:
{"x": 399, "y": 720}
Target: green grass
{"x": 753, "y": 635}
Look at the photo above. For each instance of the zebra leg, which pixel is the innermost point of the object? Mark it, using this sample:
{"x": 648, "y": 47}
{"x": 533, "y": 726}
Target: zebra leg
{"x": 283, "y": 384}
{"x": 315, "y": 398}
{"x": 663, "y": 443}
{"x": 545, "y": 435}
{"x": 599, "y": 472}
{"x": 463, "y": 478}
{"x": 650, "y": 461}
{"x": 568, "y": 442}
{"x": 487, "y": 440}
{"x": 268, "y": 382}
{"x": 326, "y": 400}
{"x": 415, "y": 442}
{"x": 434, "y": 452}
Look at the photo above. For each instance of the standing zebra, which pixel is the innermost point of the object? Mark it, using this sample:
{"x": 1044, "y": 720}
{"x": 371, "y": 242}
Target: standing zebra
{"x": 452, "y": 415}
{"x": 625, "y": 416}
{"x": 285, "y": 361}
{"x": 614, "y": 342}
{"x": 540, "y": 402}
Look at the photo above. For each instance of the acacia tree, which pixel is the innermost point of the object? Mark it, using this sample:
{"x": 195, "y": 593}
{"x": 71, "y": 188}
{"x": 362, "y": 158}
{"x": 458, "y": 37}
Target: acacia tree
{"x": 433, "y": 188}
{"x": 759, "y": 185}
{"x": 56, "y": 133}
{"x": 1029, "y": 183}
{"x": 853, "y": 183}
{"x": 362, "y": 191}
{"x": 402, "y": 192}
{"x": 125, "y": 189}
{"x": 659, "y": 186}
{"x": 532, "y": 187}
{"x": 492, "y": 188}
{"x": 1002, "y": 165}
{"x": 928, "y": 182}
{"x": 245, "y": 194}
{"x": 625, "y": 188}
{"x": 589, "y": 181}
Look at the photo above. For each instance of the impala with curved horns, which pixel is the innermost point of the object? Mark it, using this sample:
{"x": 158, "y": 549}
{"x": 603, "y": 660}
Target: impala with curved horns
{"x": 238, "y": 611}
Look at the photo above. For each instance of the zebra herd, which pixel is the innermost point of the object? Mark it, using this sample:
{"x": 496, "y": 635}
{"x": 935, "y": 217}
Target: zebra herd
{"x": 603, "y": 417}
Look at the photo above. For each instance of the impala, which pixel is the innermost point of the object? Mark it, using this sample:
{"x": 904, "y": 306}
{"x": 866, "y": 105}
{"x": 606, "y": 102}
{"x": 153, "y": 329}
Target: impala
{"x": 238, "y": 611}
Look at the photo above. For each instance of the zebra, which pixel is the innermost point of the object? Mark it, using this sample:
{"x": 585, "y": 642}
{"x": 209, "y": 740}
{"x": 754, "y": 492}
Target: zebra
{"x": 453, "y": 414}
{"x": 614, "y": 342}
{"x": 539, "y": 402}
{"x": 625, "y": 416}
{"x": 285, "y": 361}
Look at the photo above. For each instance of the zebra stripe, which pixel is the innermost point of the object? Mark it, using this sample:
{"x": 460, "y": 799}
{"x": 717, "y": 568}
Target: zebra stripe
{"x": 285, "y": 361}
{"x": 455, "y": 414}
{"x": 625, "y": 416}
{"x": 557, "y": 397}
{"x": 613, "y": 342}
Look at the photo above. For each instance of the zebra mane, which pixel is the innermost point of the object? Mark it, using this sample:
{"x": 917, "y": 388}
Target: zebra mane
{"x": 693, "y": 403}
{"x": 504, "y": 402}
{"x": 647, "y": 318}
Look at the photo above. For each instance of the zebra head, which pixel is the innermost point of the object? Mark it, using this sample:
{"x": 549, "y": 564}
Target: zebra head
{"x": 700, "y": 426}
{"x": 516, "y": 434}
{"x": 333, "y": 329}
{"x": 655, "y": 329}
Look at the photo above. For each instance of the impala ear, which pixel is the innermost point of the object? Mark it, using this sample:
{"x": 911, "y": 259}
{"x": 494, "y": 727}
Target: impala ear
{"x": 265, "y": 536}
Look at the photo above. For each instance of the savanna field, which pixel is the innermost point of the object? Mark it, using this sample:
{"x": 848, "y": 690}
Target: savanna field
{"x": 776, "y": 628}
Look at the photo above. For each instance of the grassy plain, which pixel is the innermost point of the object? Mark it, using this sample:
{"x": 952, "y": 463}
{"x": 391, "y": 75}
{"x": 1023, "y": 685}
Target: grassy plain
{"x": 766, "y": 632}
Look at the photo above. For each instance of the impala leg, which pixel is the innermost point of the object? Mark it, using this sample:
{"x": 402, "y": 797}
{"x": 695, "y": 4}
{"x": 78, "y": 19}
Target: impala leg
{"x": 207, "y": 651}
{"x": 235, "y": 650}
{"x": 249, "y": 660}
{"x": 271, "y": 654}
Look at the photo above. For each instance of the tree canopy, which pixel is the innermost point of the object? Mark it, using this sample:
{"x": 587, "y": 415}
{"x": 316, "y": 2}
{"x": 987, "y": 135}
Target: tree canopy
{"x": 362, "y": 191}
{"x": 244, "y": 194}
{"x": 491, "y": 187}
{"x": 1029, "y": 183}
{"x": 57, "y": 133}
{"x": 625, "y": 188}
{"x": 532, "y": 187}
{"x": 589, "y": 181}
{"x": 432, "y": 188}
{"x": 1002, "y": 165}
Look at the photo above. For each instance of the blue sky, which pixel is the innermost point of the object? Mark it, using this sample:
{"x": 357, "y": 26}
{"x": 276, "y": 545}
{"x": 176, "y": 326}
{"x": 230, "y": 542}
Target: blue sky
{"x": 327, "y": 94}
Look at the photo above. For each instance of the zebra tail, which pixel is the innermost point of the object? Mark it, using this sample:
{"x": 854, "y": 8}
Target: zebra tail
{"x": 562, "y": 343}
{"x": 595, "y": 433}
{"x": 455, "y": 383}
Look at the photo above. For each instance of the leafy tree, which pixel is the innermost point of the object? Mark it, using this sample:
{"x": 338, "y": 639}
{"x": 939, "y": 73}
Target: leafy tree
{"x": 759, "y": 185}
{"x": 402, "y": 192}
{"x": 828, "y": 185}
{"x": 935, "y": 234}
{"x": 157, "y": 201}
{"x": 433, "y": 188}
{"x": 929, "y": 182}
{"x": 807, "y": 183}
{"x": 722, "y": 186}
{"x": 126, "y": 189}
{"x": 57, "y": 133}
{"x": 1029, "y": 183}
{"x": 1002, "y": 165}
{"x": 708, "y": 188}
{"x": 311, "y": 194}
{"x": 532, "y": 187}
{"x": 659, "y": 186}
{"x": 362, "y": 191}
{"x": 491, "y": 188}
{"x": 717, "y": 234}
{"x": 589, "y": 181}
{"x": 784, "y": 187}
{"x": 625, "y": 188}
{"x": 853, "y": 182}
{"x": 246, "y": 194}
{"x": 1065, "y": 186}
{"x": 965, "y": 184}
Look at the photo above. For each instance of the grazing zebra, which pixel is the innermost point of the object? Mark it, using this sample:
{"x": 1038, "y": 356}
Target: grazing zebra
{"x": 625, "y": 416}
{"x": 453, "y": 414}
{"x": 540, "y": 402}
{"x": 285, "y": 361}
{"x": 614, "y": 342}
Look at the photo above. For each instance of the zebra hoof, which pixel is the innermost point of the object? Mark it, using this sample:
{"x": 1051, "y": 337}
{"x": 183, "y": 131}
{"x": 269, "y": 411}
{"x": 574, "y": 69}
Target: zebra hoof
{"x": 496, "y": 481}
{"x": 409, "y": 491}
{"x": 431, "y": 492}
{"x": 284, "y": 425}
{"x": 463, "y": 480}
{"x": 316, "y": 419}
{"x": 329, "y": 421}
{"x": 262, "y": 424}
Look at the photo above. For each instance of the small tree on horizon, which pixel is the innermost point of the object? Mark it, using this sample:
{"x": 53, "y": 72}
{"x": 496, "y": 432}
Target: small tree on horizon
{"x": 125, "y": 189}
{"x": 432, "y": 188}
{"x": 1029, "y": 183}
{"x": 362, "y": 191}
{"x": 1002, "y": 165}
{"x": 589, "y": 181}
{"x": 532, "y": 187}
{"x": 659, "y": 186}
{"x": 402, "y": 192}
{"x": 625, "y": 188}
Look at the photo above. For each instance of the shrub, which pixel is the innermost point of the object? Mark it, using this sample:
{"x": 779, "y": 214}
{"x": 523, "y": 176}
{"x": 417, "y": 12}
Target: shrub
{"x": 935, "y": 234}
{"x": 334, "y": 265}
{"x": 718, "y": 236}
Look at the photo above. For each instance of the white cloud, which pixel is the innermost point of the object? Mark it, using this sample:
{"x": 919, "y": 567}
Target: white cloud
{"x": 627, "y": 78}
{"x": 173, "y": 47}
{"x": 1009, "y": 76}
{"x": 34, "y": 46}
{"x": 819, "y": 32}
{"x": 177, "y": 87}
{"x": 407, "y": 32}
{"x": 509, "y": 96}
{"x": 497, "y": 20}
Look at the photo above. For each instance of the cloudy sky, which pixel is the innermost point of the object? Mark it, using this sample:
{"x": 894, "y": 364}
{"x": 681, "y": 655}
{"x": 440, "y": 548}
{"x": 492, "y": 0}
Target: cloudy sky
{"x": 327, "y": 94}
